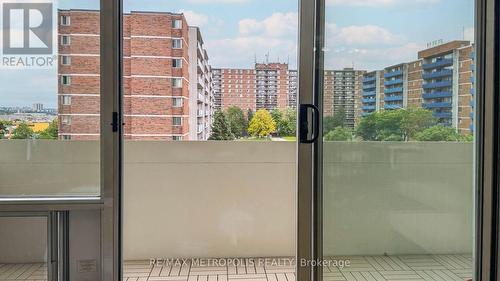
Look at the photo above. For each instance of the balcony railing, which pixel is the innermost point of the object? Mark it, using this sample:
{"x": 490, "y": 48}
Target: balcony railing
{"x": 369, "y": 79}
{"x": 393, "y": 90}
{"x": 442, "y": 84}
{"x": 393, "y": 82}
{"x": 437, "y": 105}
{"x": 368, "y": 100}
{"x": 393, "y": 73}
{"x": 209, "y": 215}
{"x": 445, "y": 115}
{"x": 368, "y": 107}
{"x": 437, "y": 64}
{"x": 437, "y": 74}
{"x": 437, "y": 95}
{"x": 369, "y": 94}
{"x": 393, "y": 98}
{"x": 393, "y": 106}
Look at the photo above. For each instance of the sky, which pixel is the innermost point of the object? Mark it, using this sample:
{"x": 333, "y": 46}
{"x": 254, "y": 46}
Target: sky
{"x": 365, "y": 34}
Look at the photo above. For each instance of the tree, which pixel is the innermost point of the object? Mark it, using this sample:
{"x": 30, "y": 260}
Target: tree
{"x": 287, "y": 127}
{"x": 438, "y": 133}
{"x": 3, "y": 127}
{"x": 237, "y": 121}
{"x": 416, "y": 120}
{"x": 277, "y": 117}
{"x": 221, "y": 129}
{"x": 262, "y": 124}
{"x": 337, "y": 120}
{"x": 367, "y": 127}
{"x": 339, "y": 134}
{"x": 23, "y": 131}
{"x": 395, "y": 125}
{"x": 51, "y": 133}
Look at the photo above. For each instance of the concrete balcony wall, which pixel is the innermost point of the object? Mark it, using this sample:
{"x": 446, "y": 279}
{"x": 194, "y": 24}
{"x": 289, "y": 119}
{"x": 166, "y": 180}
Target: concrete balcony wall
{"x": 234, "y": 199}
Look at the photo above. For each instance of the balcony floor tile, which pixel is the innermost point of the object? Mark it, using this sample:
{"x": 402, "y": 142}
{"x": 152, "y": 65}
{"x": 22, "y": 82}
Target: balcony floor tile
{"x": 377, "y": 268}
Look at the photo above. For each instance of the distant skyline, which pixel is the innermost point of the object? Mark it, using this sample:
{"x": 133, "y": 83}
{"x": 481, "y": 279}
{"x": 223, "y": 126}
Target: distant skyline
{"x": 366, "y": 34}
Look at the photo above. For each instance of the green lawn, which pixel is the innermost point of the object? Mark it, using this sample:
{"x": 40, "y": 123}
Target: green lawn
{"x": 290, "y": 138}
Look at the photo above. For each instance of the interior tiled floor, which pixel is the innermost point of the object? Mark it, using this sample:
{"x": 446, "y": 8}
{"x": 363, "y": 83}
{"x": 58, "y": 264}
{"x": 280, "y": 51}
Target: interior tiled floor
{"x": 362, "y": 268}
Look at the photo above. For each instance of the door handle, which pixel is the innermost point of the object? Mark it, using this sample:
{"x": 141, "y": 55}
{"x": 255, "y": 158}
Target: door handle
{"x": 304, "y": 123}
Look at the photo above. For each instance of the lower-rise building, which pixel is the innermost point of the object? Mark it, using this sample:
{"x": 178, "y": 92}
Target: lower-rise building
{"x": 441, "y": 80}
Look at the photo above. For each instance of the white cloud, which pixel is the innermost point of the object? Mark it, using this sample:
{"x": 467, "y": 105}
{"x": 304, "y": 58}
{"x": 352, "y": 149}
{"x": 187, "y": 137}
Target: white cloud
{"x": 242, "y": 50}
{"x": 360, "y": 35}
{"x": 217, "y": 1}
{"x": 366, "y": 47}
{"x": 276, "y": 25}
{"x": 194, "y": 18}
{"x": 378, "y": 3}
{"x": 469, "y": 34}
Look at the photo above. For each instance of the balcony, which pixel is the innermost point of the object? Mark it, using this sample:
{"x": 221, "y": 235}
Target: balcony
{"x": 472, "y": 91}
{"x": 438, "y": 64}
{"x": 437, "y": 105}
{"x": 369, "y": 87}
{"x": 368, "y": 100}
{"x": 442, "y": 84}
{"x": 444, "y": 115}
{"x": 393, "y": 73}
{"x": 393, "y": 106}
{"x": 369, "y": 94}
{"x": 368, "y": 107}
{"x": 393, "y": 98}
{"x": 437, "y": 95}
{"x": 393, "y": 90}
{"x": 393, "y": 82}
{"x": 171, "y": 213}
{"x": 369, "y": 79}
{"x": 437, "y": 74}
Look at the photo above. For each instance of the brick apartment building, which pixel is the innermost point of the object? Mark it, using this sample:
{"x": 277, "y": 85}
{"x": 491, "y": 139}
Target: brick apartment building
{"x": 441, "y": 80}
{"x": 340, "y": 88}
{"x": 266, "y": 86}
{"x": 166, "y": 77}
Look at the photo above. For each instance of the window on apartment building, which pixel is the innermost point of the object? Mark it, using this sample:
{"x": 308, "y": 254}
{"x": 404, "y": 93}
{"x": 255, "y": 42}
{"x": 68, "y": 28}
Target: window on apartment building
{"x": 177, "y": 43}
{"x": 177, "y": 63}
{"x": 65, "y": 80}
{"x": 177, "y": 121}
{"x": 65, "y": 60}
{"x": 66, "y": 100}
{"x": 65, "y": 40}
{"x": 66, "y": 137}
{"x": 66, "y": 120}
{"x": 177, "y": 138}
{"x": 65, "y": 20}
{"x": 177, "y": 82}
{"x": 177, "y": 24}
{"x": 177, "y": 102}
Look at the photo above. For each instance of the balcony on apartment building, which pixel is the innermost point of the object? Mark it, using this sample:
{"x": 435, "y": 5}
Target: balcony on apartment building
{"x": 393, "y": 82}
{"x": 434, "y": 95}
{"x": 437, "y": 105}
{"x": 369, "y": 93}
{"x": 443, "y": 115}
{"x": 391, "y": 74}
{"x": 370, "y": 79}
{"x": 393, "y": 90}
{"x": 368, "y": 100}
{"x": 393, "y": 98}
{"x": 387, "y": 203}
{"x": 437, "y": 74}
{"x": 438, "y": 64}
{"x": 439, "y": 84}
{"x": 393, "y": 106}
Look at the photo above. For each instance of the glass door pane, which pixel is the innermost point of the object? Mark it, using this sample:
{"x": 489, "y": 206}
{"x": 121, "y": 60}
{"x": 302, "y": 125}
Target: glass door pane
{"x": 209, "y": 155}
{"x": 50, "y": 99}
{"x": 398, "y": 105}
